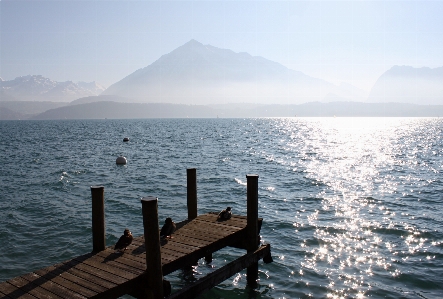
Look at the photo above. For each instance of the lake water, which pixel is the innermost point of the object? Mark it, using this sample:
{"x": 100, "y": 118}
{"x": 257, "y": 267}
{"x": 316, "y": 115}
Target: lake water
{"x": 352, "y": 207}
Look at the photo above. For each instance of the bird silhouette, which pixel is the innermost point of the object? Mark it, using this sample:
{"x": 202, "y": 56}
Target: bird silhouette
{"x": 124, "y": 241}
{"x": 168, "y": 228}
{"x": 225, "y": 214}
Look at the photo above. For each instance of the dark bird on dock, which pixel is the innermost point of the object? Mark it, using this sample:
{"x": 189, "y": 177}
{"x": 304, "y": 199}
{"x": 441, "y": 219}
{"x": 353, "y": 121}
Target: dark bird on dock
{"x": 168, "y": 228}
{"x": 124, "y": 241}
{"x": 225, "y": 214}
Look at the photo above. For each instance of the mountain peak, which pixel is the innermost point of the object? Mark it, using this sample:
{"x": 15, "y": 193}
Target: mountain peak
{"x": 202, "y": 74}
{"x": 193, "y": 42}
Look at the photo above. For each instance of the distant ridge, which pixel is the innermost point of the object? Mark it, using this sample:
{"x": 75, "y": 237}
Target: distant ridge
{"x": 101, "y": 98}
{"x": 8, "y": 114}
{"x": 406, "y": 84}
{"x": 26, "y": 109}
{"x": 114, "y": 110}
{"x": 203, "y": 74}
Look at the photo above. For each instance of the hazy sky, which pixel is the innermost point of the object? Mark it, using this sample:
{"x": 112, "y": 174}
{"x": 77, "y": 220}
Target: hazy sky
{"x": 104, "y": 41}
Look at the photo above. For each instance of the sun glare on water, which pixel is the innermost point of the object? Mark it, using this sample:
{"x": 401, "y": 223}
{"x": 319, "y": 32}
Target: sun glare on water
{"x": 356, "y": 163}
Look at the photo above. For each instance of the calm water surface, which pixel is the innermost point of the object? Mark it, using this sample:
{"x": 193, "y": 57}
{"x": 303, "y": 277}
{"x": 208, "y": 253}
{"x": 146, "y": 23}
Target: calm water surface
{"x": 352, "y": 207}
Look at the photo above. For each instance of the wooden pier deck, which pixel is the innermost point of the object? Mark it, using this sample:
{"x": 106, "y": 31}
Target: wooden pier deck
{"x": 110, "y": 274}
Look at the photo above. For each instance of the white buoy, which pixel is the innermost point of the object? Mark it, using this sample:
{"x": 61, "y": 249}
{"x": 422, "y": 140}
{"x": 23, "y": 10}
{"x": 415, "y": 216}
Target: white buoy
{"x": 121, "y": 160}
{"x": 126, "y": 139}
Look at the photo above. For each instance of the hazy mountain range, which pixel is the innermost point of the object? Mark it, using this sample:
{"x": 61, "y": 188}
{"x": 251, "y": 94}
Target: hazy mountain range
{"x": 116, "y": 110}
{"x": 405, "y": 84}
{"x": 39, "y": 88}
{"x": 201, "y": 80}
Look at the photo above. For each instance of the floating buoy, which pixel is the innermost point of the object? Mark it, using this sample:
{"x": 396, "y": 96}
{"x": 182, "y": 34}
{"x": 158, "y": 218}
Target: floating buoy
{"x": 126, "y": 139}
{"x": 121, "y": 160}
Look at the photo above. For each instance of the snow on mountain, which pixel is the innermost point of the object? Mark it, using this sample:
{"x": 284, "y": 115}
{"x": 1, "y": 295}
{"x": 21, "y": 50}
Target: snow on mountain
{"x": 39, "y": 88}
{"x": 92, "y": 86}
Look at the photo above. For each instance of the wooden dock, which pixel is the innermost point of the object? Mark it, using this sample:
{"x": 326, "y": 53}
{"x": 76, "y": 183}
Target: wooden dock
{"x": 110, "y": 274}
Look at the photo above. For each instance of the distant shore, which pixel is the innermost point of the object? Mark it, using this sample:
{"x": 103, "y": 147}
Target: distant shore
{"x": 119, "y": 110}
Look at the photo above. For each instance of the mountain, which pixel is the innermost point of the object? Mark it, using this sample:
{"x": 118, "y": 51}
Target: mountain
{"x": 101, "y": 98}
{"x": 39, "y": 88}
{"x": 26, "y": 109}
{"x": 203, "y": 74}
{"x": 8, "y": 114}
{"x": 406, "y": 84}
{"x": 115, "y": 110}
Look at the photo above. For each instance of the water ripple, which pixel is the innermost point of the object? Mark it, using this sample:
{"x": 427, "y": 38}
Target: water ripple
{"x": 350, "y": 205}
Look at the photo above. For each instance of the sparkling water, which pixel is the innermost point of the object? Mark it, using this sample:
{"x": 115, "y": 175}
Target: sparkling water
{"x": 352, "y": 207}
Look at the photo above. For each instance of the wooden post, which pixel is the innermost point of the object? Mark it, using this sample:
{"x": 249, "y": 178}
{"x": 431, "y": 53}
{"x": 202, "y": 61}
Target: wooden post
{"x": 191, "y": 174}
{"x": 208, "y": 258}
{"x": 154, "y": 274}
{"x": 252, "y": 225}
{"x": 98, "y": 218}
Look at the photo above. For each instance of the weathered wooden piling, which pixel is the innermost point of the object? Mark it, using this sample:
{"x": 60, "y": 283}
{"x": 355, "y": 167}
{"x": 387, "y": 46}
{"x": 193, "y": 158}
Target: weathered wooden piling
{"x": 191, "y": 174}
{"x": 252, "y": 225}
{"x": 98, "y": 218}
{"x": 154, "y": 273}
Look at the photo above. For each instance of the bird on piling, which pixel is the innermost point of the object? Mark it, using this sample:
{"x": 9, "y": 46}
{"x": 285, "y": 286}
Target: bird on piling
{"x": 124, "y": 241}
{"x": 167, "y": 229}
{"x": 225, "y": 214}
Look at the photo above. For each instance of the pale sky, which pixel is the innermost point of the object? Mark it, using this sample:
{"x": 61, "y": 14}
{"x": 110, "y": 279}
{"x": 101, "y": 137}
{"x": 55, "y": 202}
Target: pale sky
{"x": 104, "y": 41}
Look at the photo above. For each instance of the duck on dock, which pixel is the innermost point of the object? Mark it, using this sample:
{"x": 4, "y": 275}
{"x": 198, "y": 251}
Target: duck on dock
{"x": 124, "y": 241}
{"x": 167, "y": 229}
{"x": 225, "y": 214}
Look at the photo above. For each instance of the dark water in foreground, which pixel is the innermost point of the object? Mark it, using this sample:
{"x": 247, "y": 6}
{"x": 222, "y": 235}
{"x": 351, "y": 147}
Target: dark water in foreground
{"x": 352, "y": 206}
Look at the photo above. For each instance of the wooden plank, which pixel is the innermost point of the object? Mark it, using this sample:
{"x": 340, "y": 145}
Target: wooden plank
{"x": 32, "y": 289}
{"x": 103, "y": 275}
{"x": 213, "y": 221}
{"x": 117, "y": 266}
{"x": 210, "y": 228}
{"x": 165, "y": 259}
{"x": 55, "y": 277}
{"x": 203, "y": 240}
{"x": 216, "y": 224}
{"x": 52, "y": 287}
{"x": 125, "y": 275}
{"x": 233, "y": 221}
{"x": 101, "y": 283}
{"x": 227, "y": 224}
{"x": 9, "y": 291}
{"x": 188, "y": 240}
{"x": 220, "y": 275}
{"x": 212, "y": 234}
{"x": 120, "y": 285}
{"x": 180, "y": 247}
{"x": 61, "y": 272}
{"x": 127, "y": 260}
{"x": 207, "y": 238}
